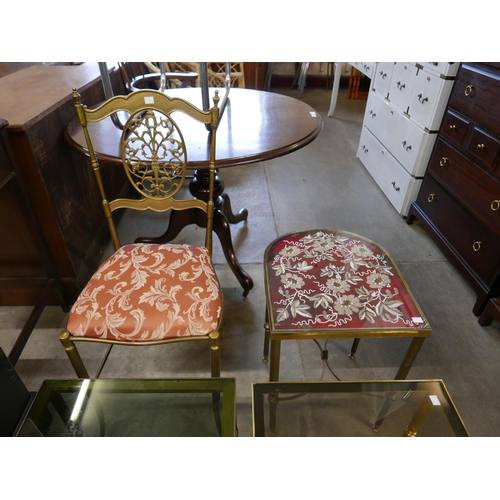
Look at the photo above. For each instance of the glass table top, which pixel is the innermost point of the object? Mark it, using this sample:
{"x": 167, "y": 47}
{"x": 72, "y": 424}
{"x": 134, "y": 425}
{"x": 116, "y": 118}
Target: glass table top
{"x": 408, "y": 408}
{"x": 332, "y": 280}
{"x": 139, "y": 408}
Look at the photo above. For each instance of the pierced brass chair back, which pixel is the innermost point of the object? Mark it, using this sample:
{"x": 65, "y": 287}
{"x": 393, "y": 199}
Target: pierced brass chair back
{"x": 153, "y": 153}
{"x": 159, "y": 293}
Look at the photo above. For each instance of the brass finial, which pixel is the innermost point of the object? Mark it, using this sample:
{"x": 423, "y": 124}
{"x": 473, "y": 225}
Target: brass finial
{"x": 216, "y": 99}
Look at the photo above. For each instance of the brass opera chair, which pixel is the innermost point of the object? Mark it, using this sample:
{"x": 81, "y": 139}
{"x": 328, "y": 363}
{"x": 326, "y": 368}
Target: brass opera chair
{"x": 148, "y": 294}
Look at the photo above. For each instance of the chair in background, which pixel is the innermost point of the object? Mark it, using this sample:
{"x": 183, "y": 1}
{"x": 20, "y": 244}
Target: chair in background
{"x": 300, "y": 77}
{"x": 146, "y": 75}
{"x": 217, "y": 74}
{"x": 148, "y": 294}
{"x": 330, "y": 284}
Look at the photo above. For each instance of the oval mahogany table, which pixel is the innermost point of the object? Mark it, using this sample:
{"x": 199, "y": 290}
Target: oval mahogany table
{"x": 255, "y": 126}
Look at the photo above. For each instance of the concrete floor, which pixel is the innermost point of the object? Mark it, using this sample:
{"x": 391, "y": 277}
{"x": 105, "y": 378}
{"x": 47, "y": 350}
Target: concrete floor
{"x": 321, "y": 185}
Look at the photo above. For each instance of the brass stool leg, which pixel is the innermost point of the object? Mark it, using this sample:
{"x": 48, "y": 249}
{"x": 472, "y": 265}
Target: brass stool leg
{"x": 409, "y": 358}
{"x": 403, "y": 371}
{"x": 73, "y": 355}
{"x": 354, "y": 348}
{"x": 273, "y": 377}
{"x": 266, "y": 338}
{"x": 419, "y": 417}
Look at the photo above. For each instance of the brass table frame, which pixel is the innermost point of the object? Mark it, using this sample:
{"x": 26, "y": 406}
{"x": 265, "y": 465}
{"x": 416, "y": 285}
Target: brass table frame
{"x": 51, "y": 388}
{"x": 265, "y": 391}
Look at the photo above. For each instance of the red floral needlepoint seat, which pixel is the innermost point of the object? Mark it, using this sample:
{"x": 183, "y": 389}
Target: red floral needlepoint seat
{"x": 321, "y": 280}
{"x": 148, "y": 292}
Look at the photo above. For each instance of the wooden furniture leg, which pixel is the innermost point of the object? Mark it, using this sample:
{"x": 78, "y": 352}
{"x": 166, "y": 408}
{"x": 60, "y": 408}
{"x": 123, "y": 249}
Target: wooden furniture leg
{"x": 223, "y": 216}
{"x": 490, "y": 312}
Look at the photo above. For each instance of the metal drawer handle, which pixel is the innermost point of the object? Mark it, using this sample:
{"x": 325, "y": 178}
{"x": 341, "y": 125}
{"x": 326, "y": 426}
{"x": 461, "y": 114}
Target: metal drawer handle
{"x": 480, "y": 146}
{"x": 431, "y": 197}
{"x": 495, "y": 205}
{"x": 394, "y": 185}
{"x": 477, "y": 246}
{"x": 400, "y": 86}
{"x": 383, "y": 75}
{"x": 372, "y": 114}
{"x": 443, "y": 161}
{"x": 424, "y": 100}
{"x": 453, "y": 127}
{"x": 468, "y": 90}
{"x": 365, "y": 149}
{"x": 405, "y": 146}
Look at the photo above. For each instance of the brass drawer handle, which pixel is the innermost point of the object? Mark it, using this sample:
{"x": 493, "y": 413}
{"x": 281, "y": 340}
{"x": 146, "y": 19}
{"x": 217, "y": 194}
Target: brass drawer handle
{"x": 431, "y": 197}
{"x": 480, "y": 146}
{"x": 468, "y": 90}
{"x": 477, "y": 246}
{"x": 495, "y": 205}
{"x": 453, "y": 127}
{"x": 443, "y": 161}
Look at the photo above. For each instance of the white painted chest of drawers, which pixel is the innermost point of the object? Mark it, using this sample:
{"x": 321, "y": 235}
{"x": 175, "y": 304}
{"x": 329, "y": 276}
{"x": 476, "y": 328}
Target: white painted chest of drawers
{"x": 405, "y": 107}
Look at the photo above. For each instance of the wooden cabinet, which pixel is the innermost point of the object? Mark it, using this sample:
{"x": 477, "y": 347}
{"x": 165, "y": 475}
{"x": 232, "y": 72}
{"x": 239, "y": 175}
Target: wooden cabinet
{"x": 38, "y": 105}
{"x": 459, "y": 203}
{"x": 403, "y": 113}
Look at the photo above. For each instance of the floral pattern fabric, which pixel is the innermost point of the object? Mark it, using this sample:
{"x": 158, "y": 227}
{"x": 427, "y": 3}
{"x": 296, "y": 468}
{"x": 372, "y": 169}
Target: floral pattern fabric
{"x": 333, "y": 279}
{"x": 146, "y": 292}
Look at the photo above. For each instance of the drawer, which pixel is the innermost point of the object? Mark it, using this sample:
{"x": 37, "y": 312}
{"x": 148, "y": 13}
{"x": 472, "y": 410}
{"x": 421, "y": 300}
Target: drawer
{"x": 403, "y": 76}
{"x": 448, "y": 69}
{"x": 367, "y": 68}
{"x": 382, "y": 78}
{"x": 397, "y": 184}
{"x": 484, "y": 147}
{"x": 475, "y": 95}
{"x": 406, "y": 141}
{"x": 454, "y": 127}
{"x": 474, "y": 188}
{"x": 471, "y": 239}
{"x": 428, "y": 99}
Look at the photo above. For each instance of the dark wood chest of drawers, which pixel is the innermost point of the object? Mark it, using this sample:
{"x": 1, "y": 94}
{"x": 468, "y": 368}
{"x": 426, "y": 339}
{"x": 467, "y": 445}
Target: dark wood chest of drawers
{"x": 459, "y": 202}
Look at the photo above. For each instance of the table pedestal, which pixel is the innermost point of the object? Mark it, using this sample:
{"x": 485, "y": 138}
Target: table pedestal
{"x": 223, "y": 216}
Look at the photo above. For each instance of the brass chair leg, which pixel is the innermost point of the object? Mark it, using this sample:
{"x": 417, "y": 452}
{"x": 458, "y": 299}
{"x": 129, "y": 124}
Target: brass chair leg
{"x": 214, "y": 354}
{"x": 73, "y": 355}
{"x": 215, "y": 370}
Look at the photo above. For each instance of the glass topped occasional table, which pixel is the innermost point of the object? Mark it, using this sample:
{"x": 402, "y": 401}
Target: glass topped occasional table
{"x": 409, "y": 408}
{"x": 138, "y": 408}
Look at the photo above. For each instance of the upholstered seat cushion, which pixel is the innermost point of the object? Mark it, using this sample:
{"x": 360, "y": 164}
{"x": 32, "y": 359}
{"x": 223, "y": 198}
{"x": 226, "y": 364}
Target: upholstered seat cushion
{"x": 148, "y": 292}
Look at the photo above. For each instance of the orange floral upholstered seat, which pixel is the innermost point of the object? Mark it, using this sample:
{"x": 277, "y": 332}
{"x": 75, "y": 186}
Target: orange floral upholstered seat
{"x": 149, "y": 292}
